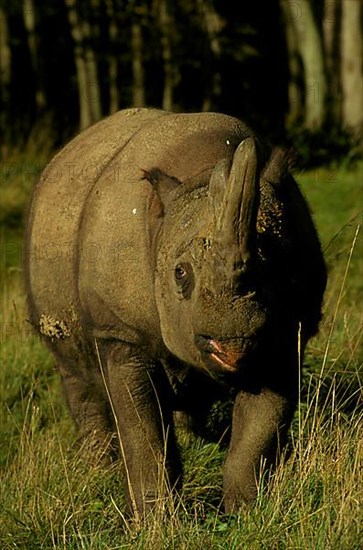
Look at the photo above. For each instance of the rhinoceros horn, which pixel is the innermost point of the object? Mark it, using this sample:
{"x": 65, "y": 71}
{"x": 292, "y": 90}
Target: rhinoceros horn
{"x": 236, "y": 217}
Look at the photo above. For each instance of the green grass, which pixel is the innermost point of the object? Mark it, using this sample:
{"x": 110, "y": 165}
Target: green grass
{"x": 51, "y": 497}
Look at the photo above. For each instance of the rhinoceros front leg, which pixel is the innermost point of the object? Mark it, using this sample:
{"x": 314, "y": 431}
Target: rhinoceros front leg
{"x": 140, "y": 398}
{"x": 259, "y": 426}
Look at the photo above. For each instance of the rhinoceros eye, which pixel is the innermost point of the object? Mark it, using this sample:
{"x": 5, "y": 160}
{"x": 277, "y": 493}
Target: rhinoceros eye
{"x": 184, "y": 278}
{"x": 181, "y": 273}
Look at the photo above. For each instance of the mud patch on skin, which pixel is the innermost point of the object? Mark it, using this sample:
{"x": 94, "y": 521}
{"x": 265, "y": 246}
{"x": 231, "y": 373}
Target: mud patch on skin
{"x": 271, "y": 217}
{"x": 54, "y": 329}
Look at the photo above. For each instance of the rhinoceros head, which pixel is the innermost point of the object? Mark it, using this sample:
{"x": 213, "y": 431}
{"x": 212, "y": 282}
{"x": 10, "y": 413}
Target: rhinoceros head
{"x": 220, "y": 262}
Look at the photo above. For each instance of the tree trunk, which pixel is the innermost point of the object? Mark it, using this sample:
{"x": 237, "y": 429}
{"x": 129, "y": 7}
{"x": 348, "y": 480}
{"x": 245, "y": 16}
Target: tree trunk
{"x": 5, "y": 75}
{"x": 351, "y": 66}
{"x": 311, "y": 51}
{"x": 88, "y": 87}
{"x": 29, "y": 22}
{"x": 5, "y": 58}
{"x": 213, "y": 25}
{"x": 295, "y": 110}
{"x": 331, "y": 34}
{"x": 82, "y": 78}
{"x": 167, "y": 23}
{"x": 138, "y": 92}
{"x": 113, "y": 64}
{"x": 93, "y": 89}
{"x": 114, "y": 96}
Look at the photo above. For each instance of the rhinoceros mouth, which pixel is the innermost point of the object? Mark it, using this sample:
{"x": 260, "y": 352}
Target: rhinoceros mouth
{"x": 226, "y": 354}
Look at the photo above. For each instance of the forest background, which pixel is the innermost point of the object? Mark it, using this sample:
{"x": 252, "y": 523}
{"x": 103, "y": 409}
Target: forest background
{"x": 292, "y": 69}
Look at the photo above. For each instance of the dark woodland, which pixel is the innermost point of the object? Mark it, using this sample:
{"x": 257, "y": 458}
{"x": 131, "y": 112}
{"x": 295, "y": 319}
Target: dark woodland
{"x": 291, "y": 69}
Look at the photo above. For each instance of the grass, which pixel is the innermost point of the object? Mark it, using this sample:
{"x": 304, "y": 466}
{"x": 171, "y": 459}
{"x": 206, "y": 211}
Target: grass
{"x": 50, "y": 497}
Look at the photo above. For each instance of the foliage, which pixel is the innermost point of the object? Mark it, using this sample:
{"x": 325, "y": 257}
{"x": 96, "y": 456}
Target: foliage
{"x": 332, "y": 146}
{"x": 50, "y": 495}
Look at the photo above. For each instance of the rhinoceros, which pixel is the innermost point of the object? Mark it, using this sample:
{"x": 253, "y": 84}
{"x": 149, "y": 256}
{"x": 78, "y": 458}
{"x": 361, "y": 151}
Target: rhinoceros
{"x": 171, "y": 260}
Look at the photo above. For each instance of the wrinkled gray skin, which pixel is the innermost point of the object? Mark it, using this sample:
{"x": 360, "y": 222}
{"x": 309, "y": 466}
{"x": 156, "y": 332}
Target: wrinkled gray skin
{"x": 174, "y": 254}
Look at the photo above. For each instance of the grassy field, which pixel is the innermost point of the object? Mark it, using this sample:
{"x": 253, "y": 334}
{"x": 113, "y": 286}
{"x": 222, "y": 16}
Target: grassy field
{"x": 50, "y": 497}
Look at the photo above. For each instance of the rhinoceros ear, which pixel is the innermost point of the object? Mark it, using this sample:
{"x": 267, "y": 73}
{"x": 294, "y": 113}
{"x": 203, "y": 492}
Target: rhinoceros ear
{"x": 280, "y": 163}
{"x": 163, "y": 184}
